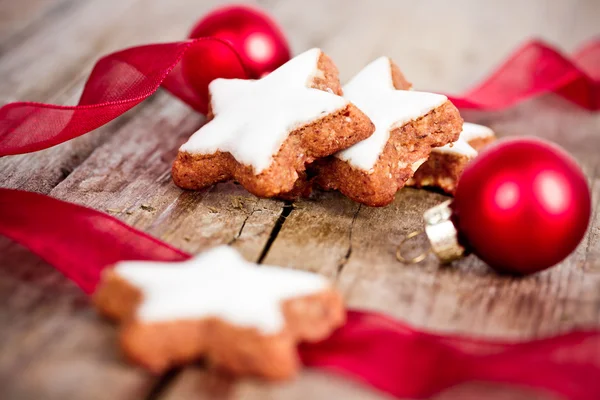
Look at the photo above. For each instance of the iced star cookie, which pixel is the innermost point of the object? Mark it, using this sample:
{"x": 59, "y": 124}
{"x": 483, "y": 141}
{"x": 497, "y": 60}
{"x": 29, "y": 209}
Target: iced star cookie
{"x": 244, "y": 318}
{"x": 408, "y": 124}
{"x": 263, "y": 133}
{"x": 446, "y": 164}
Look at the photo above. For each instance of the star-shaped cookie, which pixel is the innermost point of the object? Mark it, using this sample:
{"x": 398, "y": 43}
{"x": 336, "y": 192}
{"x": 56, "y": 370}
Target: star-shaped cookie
{"x": 263, "y": 133}
{"x": 408, "y": 124}
{"x": 446, "y": 164}
{"x": 242, "y": 317}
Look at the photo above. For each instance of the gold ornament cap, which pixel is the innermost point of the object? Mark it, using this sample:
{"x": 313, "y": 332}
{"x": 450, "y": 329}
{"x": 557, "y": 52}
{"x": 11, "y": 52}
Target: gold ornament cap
{"x": 442, "y": 235}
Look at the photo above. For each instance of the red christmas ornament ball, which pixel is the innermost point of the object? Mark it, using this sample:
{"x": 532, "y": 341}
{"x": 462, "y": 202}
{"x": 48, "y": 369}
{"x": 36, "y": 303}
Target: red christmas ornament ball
{"x": 522, "y": 206}
{"x": 252, "y": 33}
{"x": 205, "y": 61}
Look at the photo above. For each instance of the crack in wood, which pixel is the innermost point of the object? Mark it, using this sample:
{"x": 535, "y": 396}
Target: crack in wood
{"x": 344, "y": 261}
{"x": 162, "y": 384}
{"x": 236, "y": 237}
{"x": 287, "y": 209}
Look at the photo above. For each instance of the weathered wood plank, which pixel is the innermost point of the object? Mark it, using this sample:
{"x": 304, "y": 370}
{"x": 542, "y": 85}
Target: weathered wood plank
{"x": 76, "y": 35}
{"x": 16, "y": 18}
{"x": 128, "y": 176}
{"x": 468, "y": 297}
{"x": 200, "y": 384}
{"x": 361, "y": 246}
{"x": 317, "y": 234}
{"x": 333, "y": 236}
{"x": 442, "y": 46}
{"x": 82, "y": 34}
{"x": 328, "y": 234}
{"x": 248, "y": 212}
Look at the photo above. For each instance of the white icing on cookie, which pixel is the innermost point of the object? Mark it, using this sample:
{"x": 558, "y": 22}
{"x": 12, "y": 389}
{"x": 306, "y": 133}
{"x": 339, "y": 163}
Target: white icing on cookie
{"x": 252, "y": 119}
{"x": 218, "y": 283}
{"x": 472, "y": 131}
{"x": 372, "y": 90}
{"x": 461, "y": 146}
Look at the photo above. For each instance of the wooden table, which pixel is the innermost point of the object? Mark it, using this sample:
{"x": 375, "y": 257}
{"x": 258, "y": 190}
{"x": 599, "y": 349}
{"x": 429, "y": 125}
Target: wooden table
{"x": 52, "y": 344}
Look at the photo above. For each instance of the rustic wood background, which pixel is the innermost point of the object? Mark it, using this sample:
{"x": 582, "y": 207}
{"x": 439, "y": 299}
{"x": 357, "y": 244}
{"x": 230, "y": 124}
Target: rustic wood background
{"x": 52, "y": 344}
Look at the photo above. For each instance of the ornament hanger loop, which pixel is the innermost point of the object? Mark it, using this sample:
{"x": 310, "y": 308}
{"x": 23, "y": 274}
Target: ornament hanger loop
{"x": 413, "y": 260}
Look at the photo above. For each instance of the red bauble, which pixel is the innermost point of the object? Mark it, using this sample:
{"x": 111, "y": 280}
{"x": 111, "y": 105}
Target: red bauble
{"x": 252, "y": 33}
{"x": 205, "y": 61}
{"x": 522, "y": 206}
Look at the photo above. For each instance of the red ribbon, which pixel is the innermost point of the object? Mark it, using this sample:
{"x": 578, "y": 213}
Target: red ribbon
{"x": 76, "y": 240}
{"x": 408, "y": 363}
{"x": 117, "y": 83}
{"x": 538, "y": 68}
{"x": 122, "y": 80}
{"x": 380, "y": 351}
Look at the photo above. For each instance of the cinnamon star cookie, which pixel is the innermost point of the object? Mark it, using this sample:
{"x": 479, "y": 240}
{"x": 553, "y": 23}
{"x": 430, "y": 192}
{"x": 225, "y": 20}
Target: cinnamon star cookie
{"x": 244, "y": 318}
{"x": 446, "y": 164}
{"x": 408, "y": 124}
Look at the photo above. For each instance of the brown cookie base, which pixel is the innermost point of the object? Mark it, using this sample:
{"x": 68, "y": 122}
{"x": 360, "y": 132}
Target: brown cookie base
{"x": 479, "y": 143}
{"x": 159, "y": 346}
{"x": 443, "y": 170}
{"x": 319, "y": 139}
{"x": 407, "y": 145}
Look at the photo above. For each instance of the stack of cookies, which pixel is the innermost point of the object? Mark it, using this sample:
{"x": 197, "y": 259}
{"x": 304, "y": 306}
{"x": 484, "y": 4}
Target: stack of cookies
{"x": 298, "y": 128}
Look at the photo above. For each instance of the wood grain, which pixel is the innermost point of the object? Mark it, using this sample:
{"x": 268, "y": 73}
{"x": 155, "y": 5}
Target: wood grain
{"x": 19, "y": 19}
{"x": 58, "y": 348}
{"x": 129, "y": 176}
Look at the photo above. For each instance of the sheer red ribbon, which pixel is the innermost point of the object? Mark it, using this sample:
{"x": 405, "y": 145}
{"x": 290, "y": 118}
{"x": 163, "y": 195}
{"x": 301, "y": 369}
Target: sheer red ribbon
{"x": 122, "y": 80}
{"x": 538, "y": 68}
{"x": 119, "y": 82}
{"x": 385, "y": 353}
